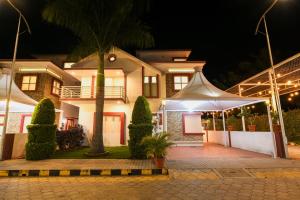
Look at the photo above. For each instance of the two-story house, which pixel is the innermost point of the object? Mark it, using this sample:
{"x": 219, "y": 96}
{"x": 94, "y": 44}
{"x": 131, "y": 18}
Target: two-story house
{"x": 153, "y": 74}
{"x": 39, "y": 79}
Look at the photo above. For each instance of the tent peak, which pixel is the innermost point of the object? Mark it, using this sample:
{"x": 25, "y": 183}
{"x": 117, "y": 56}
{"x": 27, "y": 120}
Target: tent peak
{"x": 198, "y": 68}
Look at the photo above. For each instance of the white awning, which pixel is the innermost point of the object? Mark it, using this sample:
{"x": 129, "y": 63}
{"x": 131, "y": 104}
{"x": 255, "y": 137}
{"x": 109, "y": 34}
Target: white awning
{"x": 201, "y": 95}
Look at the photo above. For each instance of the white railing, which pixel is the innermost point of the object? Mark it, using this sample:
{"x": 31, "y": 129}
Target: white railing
{"x": 74, "y": 92}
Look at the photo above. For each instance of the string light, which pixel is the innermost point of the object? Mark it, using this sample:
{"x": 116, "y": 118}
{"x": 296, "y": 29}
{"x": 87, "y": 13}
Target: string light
{"x": 290, "y": 99}
{"x": 291, "y": 94}
{"x": 260, "y": 93}
{"x": 258, "y": 82}
{"x": 278, "y": 75}
{"x": 296, "y": 93}
{"x": 289, "y": 82}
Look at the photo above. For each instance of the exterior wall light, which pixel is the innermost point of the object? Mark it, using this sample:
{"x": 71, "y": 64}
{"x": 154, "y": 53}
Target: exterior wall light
{"x": 112, "y": 57}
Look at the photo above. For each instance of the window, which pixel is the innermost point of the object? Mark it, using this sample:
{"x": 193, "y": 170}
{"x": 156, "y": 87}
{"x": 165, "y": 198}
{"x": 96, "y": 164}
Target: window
{"x": 56, "y": 87}
{"x": 180, "y": 82}
{"x": 29, "y": 83}
{"x": 150, "y": 86}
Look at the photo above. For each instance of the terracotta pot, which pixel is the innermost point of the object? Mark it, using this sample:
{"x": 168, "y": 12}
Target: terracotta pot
{"x": 160, "y": 162}
{"x": 252, "y": 128}
{"x": 230, "y": 128}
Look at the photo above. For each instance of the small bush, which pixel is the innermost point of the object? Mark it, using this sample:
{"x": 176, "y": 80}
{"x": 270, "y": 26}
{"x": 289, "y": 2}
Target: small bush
{"x": 70, "y": 139}
{"x": 41, "y": 132}
{"x": 141, "y": 126}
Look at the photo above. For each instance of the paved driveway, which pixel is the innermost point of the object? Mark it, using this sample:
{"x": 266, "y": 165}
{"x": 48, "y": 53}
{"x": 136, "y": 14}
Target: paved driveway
{"x": 210, "y": 150}
{"x": 294, "y": 152}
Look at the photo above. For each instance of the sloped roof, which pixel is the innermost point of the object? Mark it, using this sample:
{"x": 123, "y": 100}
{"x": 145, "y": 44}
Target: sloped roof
{"x": 201, "y": 95}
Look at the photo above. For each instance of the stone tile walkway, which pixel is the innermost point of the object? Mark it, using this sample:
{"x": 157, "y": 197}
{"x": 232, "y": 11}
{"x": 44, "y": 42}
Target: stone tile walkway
{"x": 67, "y": 164}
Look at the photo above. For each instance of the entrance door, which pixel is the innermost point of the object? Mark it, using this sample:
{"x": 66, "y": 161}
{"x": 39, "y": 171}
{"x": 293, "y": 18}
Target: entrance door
{"x": 113, "y": 129}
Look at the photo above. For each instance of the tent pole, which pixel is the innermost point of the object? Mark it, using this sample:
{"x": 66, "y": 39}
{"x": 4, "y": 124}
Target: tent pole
{"x": 224, "y": 128}
{"x": 164, "y": 119}
{"x": 214, "y": 121}
{"x": 243, "y": 118}
{"x": 272, "y": 132}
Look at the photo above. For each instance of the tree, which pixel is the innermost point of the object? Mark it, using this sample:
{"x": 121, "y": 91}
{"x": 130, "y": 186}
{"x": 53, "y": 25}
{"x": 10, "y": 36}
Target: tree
{"x": 41, "y": 132}
{"x": 140, "y": 127}
{"x": 100, "y": 25}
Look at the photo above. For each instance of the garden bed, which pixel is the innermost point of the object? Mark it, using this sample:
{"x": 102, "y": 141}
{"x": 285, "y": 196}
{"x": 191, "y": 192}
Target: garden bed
{"x": 121, "y": 152}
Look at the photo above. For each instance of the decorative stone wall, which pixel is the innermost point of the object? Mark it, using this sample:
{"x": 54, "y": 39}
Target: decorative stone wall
{"x": 43, "y": 88}
{"x": 175, "y": 128}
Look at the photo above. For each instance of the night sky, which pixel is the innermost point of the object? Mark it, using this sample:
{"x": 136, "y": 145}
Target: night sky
{"x": 220, "y": 32}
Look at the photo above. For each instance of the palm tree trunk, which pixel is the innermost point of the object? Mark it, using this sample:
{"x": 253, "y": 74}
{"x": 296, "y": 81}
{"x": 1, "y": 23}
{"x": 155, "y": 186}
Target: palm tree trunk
{"x": 97, "y": 139}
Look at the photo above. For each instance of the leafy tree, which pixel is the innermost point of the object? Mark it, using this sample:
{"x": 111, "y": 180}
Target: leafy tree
{"x": 41, "y": 132}
{"x": 141, "y": 126}
{"x": 100, "y": 25}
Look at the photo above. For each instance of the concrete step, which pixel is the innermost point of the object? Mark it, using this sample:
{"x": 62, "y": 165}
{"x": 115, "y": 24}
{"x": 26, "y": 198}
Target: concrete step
{"x": 187, "y": 143}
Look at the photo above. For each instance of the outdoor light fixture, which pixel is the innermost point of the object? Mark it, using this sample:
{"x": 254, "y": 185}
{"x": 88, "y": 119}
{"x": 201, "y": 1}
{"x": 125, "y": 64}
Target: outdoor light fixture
{"x": 112, "y": 57}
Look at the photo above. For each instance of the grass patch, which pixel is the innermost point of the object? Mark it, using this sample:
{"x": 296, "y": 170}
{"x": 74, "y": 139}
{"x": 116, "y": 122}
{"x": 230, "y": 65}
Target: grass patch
{"x": 121, "y": 152}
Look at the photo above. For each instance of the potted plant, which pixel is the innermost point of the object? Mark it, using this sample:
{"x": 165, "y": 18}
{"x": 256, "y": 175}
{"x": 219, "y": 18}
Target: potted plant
{"x": 251, "y": 117}
{"x": 156, "y": 147}
{"x": 230, "y": 122}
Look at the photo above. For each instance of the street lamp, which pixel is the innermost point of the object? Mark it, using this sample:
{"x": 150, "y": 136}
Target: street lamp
{"x": 21, "y": 17}
{"x": 274, "y": 89}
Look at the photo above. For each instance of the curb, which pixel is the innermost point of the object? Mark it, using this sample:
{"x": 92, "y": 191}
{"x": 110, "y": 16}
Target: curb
{"x": 82, "y": 172}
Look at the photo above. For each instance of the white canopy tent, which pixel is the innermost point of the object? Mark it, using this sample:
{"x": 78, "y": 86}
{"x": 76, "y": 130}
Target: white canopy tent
{"x": 20, "y": 102}
{"x": 201, "y": 95}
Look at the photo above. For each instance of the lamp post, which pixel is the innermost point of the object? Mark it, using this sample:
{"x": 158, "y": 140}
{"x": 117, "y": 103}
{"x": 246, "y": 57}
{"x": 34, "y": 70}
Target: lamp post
{"x": 12, "y": 74}
{"x": 273, "y": 82}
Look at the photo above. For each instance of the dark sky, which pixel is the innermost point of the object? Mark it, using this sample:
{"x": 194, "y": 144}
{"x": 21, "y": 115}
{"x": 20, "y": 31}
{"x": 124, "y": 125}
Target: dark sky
{"x": 220, "y": 31}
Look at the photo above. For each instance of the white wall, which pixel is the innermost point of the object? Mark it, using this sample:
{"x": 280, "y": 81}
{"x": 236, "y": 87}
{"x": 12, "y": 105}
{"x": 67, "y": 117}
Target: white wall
{"x": 261, "y": 142}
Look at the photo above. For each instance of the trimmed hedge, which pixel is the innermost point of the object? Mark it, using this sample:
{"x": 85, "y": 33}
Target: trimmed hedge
{"x": 136, "y": 135}
{"x": 41, "y": 132}
{"x": 141, "y": 126}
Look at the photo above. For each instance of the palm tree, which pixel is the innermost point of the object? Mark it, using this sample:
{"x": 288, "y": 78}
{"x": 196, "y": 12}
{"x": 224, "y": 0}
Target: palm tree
{"x": 100, "y": 25}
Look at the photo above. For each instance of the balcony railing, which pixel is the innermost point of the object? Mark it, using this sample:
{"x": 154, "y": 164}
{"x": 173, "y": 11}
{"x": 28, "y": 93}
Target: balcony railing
{"x": 86, "y": 92}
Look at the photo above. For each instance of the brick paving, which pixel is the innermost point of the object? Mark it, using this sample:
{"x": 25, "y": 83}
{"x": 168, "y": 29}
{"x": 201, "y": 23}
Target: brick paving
{"x": 148, "y": 188}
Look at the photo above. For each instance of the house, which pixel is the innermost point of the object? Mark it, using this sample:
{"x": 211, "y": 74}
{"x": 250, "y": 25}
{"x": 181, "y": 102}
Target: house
{"x": 38, "y": 79}
{"x": 155, "y": 74}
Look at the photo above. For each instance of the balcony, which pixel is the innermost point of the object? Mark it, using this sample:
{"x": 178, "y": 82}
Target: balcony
{"x": 87, "y": 92}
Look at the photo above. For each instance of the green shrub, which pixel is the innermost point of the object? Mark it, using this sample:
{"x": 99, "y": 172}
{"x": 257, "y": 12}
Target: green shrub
{"x": 156, "y": 145}
{"x": 141, "y": 126}
{"x": 44, "y": 113}
{"x": 41, "y": 132}
{"x": 141, "y": 112}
